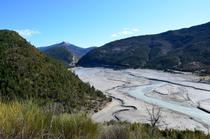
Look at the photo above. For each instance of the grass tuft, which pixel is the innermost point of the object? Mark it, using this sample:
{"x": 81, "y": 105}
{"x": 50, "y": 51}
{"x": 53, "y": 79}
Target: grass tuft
{"x": 23, "y": 120}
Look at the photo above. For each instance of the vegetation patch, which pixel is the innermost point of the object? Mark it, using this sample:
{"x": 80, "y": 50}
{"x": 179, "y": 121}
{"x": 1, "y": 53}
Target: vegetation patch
{"x": 26, "y": 73}
{"x": 184, "y": 50}
{"x": 28, "y": 120}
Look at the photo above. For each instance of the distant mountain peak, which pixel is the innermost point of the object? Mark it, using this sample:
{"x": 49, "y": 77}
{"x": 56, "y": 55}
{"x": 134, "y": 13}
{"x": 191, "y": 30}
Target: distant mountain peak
{"x": 65, "y": 51}
{"x": 65, "y": 43}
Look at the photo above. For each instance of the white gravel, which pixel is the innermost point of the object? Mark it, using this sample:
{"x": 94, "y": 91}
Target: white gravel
{"x": 120, "y": 83}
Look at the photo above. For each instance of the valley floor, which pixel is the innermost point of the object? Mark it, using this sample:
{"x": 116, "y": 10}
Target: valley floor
{"x": 184, "y": 102}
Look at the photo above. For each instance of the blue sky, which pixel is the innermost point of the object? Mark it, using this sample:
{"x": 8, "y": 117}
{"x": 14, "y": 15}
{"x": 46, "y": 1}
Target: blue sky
{"x": 95, "y": 22}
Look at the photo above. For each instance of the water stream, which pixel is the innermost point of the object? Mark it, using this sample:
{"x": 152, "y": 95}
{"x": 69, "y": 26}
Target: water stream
{"x": 139, "y": 92}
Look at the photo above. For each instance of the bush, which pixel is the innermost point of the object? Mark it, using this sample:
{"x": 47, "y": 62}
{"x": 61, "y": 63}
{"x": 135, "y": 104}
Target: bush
{"x": 27, "y": 120}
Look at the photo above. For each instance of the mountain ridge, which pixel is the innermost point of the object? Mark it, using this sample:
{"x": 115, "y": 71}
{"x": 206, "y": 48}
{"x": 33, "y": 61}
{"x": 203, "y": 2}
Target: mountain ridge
{"x": 65, "y": 52}
{"x": 184, "y": 49}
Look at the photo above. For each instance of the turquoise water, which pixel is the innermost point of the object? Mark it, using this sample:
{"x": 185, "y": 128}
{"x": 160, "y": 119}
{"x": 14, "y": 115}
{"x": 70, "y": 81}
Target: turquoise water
{"x": 139, "y": 92}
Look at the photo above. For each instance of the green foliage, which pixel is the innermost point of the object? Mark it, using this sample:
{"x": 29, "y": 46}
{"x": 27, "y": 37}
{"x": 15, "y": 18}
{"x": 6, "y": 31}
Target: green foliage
{"x": 124, "y": 130}
{"x": 60, "y": 53}
{"x": 74, "y": 126}
{"x": 28, "y": 120}
{"x": 26, "y": 73}
{"x": 185, "y": 49}
{"x": 65, "y": 52}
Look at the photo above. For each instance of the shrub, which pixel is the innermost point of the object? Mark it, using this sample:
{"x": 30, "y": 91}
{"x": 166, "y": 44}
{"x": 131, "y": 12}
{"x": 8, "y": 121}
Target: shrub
{"x": 27, "y": 120}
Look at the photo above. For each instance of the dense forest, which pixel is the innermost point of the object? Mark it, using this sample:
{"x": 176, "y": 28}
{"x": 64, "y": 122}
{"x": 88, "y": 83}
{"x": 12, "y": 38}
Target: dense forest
{"x": 25, "y": 73}
{"x": 185, "y": 49}
{"x": 60, "y": 54}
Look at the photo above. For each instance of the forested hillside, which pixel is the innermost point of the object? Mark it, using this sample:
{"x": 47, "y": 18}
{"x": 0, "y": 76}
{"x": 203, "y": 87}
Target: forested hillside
{"x": 185, "y": 49}
{"x": 25, "y": 74}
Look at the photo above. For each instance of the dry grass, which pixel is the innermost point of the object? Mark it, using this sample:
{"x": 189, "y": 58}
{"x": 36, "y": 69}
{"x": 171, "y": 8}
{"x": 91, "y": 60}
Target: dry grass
{"x": 27, "y": 121}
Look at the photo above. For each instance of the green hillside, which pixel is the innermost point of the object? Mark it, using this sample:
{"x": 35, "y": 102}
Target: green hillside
{"x": 26, "y": 73}
{"x": 185, "y": 49}
{"x": 60, "y": 53}
{"x": 65, "y": 52}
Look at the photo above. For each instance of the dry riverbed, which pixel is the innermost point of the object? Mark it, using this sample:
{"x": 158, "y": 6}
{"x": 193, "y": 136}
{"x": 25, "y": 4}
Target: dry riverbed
{"x": 184, "y": 102}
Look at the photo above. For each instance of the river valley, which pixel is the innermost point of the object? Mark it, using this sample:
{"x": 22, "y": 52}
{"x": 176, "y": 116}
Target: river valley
{"x": 184, "y": 102}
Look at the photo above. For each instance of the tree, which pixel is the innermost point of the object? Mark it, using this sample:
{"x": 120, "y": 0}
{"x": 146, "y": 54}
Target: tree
{"x": 154, "y": 115}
